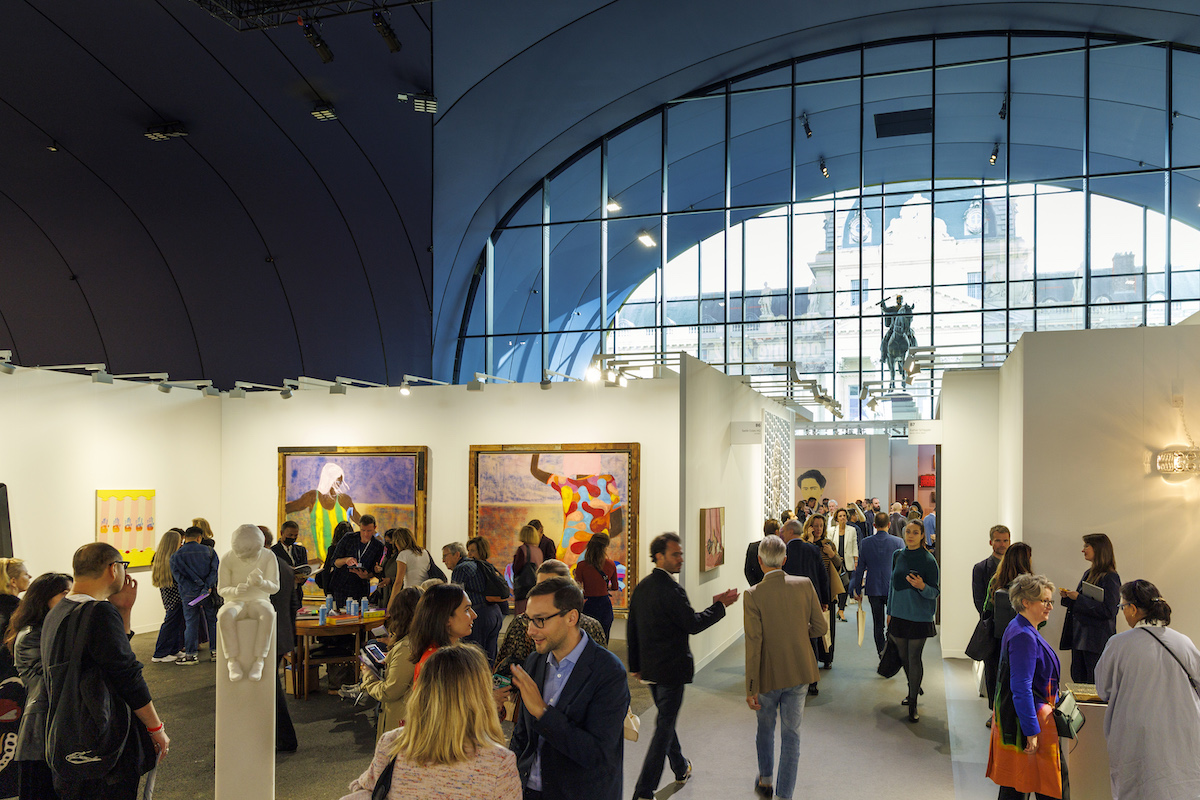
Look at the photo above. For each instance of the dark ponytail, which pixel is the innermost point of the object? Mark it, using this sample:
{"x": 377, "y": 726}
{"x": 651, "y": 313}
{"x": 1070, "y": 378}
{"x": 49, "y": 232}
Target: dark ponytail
{"x": 1144, "y": 596}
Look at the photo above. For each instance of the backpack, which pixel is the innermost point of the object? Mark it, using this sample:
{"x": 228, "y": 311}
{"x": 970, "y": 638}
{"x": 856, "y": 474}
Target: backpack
{"x": 494, "y": 584}
{"x": 524, "y": 580}
{"x": 434, "y": 570}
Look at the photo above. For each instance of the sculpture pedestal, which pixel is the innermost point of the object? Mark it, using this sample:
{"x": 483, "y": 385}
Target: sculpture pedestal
{"x": 901, "y": 405}
{"x": 246, "y": 723}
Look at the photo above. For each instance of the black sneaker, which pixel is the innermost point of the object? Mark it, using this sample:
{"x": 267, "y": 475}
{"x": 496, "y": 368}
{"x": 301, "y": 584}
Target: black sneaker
{"x": 686, "y": 776}
{"x": 187, "y": 660}
{"x": 763, "y": 790}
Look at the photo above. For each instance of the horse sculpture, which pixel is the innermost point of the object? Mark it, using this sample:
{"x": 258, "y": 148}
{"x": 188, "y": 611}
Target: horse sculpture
{"x": 898, "y": 339}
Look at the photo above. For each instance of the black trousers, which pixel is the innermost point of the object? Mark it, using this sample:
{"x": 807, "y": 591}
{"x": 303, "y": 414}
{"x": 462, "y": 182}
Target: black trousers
{"x": 878, "y": 619}
{"x": 664, "y": 744}
{"x": 1083, "y": 666}
{"x": 285, "y": 732}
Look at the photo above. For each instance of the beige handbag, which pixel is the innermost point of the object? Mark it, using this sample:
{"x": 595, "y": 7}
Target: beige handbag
{"x": 632, "y": 725}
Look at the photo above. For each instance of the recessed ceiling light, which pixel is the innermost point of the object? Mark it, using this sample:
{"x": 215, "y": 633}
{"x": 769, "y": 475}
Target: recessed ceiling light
{"x": 324, "y": 112}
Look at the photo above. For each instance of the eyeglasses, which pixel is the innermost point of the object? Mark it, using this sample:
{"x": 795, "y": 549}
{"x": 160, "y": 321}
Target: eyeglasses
{"x": 1121, "y": 606}
{"x": 124, "y": 564}
{"x": 540, "y": 622}
{"x": 1047, "y": 603}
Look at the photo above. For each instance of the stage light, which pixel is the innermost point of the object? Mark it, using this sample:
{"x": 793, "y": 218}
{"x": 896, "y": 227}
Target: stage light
{"x": 314, "y": 38}
{"x": 237, "y": 394}
{"x": 286, "y": 394}
{"x": 824, "y": 169}
{"x": 995, "y": 154}
{"x": 424, "y": 103}
{"x": 593, "y": 374}
{"x": 385, "y": 30}
{"x": 165, "y": 388}
{"x": 807, "y": 130}
{"x": 404, "y": 390}
{"x": 1004, "y": 107}
{"x": 210, "y": 391}
{"x": 166, "y": 131}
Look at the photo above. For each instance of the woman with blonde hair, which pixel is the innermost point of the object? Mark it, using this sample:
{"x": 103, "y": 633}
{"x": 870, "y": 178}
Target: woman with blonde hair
{"x": 170, "y": 634}
{"x": 1091, "y": 623}
{"x": 451, "y": 745}
{"x": 525, "y": 563}
{"x": 208, "y": 539}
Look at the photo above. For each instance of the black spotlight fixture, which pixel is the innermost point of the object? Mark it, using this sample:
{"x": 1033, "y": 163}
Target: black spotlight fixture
{"x": 807, "y": 130}
{"x": 1004, "y": 107}
{"x": 165, "y": 132}
{"x": 995, "y": 154}
{"x": 824, "y": 169}
{"x": 385, "y": 30}
{"x": 314, "y": 38}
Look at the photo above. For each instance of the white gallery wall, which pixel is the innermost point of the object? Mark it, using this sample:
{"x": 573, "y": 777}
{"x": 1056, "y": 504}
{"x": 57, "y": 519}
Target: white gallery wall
{"x": 718, "y": 473}
{"x": 66, "y": 437}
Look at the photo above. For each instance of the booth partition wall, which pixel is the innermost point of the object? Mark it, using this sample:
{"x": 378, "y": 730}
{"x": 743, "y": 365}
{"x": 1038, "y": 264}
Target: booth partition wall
{"x": 999, "y": 183}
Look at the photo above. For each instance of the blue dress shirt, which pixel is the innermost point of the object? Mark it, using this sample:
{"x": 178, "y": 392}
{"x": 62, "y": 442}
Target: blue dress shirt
{"x": 557, "y": 675}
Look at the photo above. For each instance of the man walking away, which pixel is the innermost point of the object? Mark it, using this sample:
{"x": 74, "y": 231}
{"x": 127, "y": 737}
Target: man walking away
{"x": 875, "y": 573}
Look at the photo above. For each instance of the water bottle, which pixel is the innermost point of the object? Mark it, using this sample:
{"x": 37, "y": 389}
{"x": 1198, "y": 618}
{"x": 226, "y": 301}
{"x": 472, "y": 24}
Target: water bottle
{"x": 352, "y": 607}
{"x": 364, "y": 606}
{"x": 329, "y": 602}
{"x": 322, "y": 615}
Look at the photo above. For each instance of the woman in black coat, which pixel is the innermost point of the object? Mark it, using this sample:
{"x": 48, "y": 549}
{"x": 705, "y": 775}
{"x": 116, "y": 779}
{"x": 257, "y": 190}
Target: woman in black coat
{"x": 1091, "y": 623}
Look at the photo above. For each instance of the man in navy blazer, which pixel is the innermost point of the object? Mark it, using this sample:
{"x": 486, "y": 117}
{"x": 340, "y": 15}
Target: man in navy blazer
{"x": 569, "y": 733}
{"x": 874, "y": 573}
{"x": 660, "y": 621}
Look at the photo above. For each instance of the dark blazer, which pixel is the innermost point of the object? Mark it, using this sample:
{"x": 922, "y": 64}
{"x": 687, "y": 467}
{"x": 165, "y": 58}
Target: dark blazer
{"x": 31, "y": 737}
{"x": 297, "y": 557}
{"x": 581, "y": 737}
{"x": 660, "y": 621}
{"x": 804, "y": 560}
{"x": 286, "y": 605}
{"x": 1091, "y": 623}
{"x": 981, "y": 573}
{"x": 754, "y": 573}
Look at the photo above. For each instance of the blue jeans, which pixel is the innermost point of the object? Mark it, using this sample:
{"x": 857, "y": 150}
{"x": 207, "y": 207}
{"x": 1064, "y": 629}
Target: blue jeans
{"x": 789, "y": 704}
{"x": 192, "y": 615}
{"x": 170, "y": 635}
{"x": 664, "y": 744}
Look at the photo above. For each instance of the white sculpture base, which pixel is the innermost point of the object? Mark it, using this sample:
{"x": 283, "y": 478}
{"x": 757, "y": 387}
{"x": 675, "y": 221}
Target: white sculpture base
{"x": 246, "y": 723}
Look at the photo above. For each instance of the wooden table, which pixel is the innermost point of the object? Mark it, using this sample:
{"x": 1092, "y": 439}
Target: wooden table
{"x": 308, "y": 629}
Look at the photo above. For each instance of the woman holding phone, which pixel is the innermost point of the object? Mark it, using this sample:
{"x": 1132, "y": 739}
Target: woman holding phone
{"x": 911, "y": 604}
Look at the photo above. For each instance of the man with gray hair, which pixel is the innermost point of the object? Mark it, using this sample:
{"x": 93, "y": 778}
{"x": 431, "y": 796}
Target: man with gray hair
{"x": 780, "y": 662}
{"x": 467, "y": 573}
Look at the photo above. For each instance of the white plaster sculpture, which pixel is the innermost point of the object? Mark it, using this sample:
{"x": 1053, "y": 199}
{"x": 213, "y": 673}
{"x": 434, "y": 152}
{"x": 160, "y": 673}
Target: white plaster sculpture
{"x": 248, "y": 576}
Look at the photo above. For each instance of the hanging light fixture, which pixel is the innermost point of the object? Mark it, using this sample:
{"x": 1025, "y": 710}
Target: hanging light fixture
{"x": 824, "y": 169}
{"x": 995, "y": 154}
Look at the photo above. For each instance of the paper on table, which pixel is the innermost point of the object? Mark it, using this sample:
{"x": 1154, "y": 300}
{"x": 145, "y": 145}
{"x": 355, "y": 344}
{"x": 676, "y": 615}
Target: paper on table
{"x": 862, "y": 623}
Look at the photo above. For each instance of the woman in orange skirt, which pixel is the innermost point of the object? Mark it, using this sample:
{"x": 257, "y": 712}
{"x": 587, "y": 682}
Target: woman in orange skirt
{"x": 1024, "y": 754}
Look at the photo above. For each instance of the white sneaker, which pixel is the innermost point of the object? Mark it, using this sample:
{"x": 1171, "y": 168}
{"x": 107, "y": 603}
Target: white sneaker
{"x": 164, "y": 659}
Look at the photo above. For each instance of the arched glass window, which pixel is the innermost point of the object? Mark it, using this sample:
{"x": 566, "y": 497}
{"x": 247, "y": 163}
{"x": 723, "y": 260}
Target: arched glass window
{"x": 997, "y": 183}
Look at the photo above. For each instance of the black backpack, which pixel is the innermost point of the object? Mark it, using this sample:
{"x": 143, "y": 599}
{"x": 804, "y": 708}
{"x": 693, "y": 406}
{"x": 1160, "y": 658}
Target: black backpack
{"x": 494, "y": 583}
{"x": 525, "y": 580}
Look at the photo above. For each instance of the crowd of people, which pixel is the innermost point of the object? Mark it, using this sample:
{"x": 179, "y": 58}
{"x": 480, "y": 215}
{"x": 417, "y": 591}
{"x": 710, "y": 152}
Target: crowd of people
{"x": 449, "y": 681}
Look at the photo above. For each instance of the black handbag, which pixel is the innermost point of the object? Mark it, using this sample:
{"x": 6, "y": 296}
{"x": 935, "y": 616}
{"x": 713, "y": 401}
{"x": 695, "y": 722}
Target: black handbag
{"x": 88, "y": 727}
{"x": 1067, "y": 716}
{"x": 983, "y": 642}
{"x": 383, "y": 784}
{"x": 889, "y": 662}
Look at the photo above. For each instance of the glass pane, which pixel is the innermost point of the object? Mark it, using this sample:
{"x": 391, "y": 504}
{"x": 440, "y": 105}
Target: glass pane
{"x": 968, "y": 123}
{"x": 1031, "y": 43}
{"x": 1060, "y": 319}
{"x": 761, "y": 135}
{"x": 1122, "y": 229}
{"x": 575, "y": 276}
{"x": 682, "y": 339}
{"x": 889, "y": 57}
{"x": 517, "y": 281}
{"x": 838, "y": 65}
{"x": 712, "y": 343}
{"x": 519, "y": 357}
{"x": 1058, "y": 261}
{"x": 812, "y": 345}
{"x": 1185, "y": 119}
{"x": 635, "y": 168}
{"x": 1128, "y": 117}
{"x": 1128, "y": 315}
{"x": 765, "y": 252}
{"x": 529, "y": 212}
{"x": 897, "y": 149}
{"x": 571, "y": 353}
{"x": 472, "y": 358}
{"x": 910, "y": 228}
{"x": 766, "y": 342}
{"x": 633, "y": 265}
{"x": 696, "y": 154}
{"x": 780, "y": 76}
{"x": 1046, "y": 117}
{"x": 832, "y": 113}
{"x": 952, "y": 50}
{"x": 1185, "y": 241}
{"x": 575, "y": 193}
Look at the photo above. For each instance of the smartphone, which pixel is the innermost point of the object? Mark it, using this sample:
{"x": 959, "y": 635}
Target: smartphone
{"x": 501, "y": 682}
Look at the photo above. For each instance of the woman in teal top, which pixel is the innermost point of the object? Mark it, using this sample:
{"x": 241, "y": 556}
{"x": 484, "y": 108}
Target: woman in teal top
{"x": 911, "y": 605}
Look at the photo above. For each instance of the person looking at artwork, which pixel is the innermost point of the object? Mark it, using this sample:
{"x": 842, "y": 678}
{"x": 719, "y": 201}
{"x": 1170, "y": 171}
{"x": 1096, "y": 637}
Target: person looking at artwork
{"x": 525, "y": 563}
{"x": 597, "y": 574}
{"x": 24, "y": 640}
{"x": 1091, "y": 623}
{"x": 413, "y": 563}
{"x": 517, "y": 645}
{"x": 296, "y": 555}
{"x": 329, "y": 504}
{"x": 444, "y": 616}
{"x": 1152, "y": 723}
{"x": 194, "y": 568}
{"x": 451, "y": 745}
{"x": 169, "y": 646}
{"x": 591, "y": 504}
{"x": 468, "y": 573}
{"x": 354, "y": 562}
{"x": 548, "y": 547}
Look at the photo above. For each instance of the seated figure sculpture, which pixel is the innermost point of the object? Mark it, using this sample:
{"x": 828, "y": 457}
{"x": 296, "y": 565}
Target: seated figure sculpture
{"x": 247, "y": 577}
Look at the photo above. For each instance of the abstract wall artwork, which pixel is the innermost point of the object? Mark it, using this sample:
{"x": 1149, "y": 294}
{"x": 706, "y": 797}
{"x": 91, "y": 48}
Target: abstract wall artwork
{"x": 575, "y": 490}
{"x": 712, "y": 538}
{"x": 322, "y": 486}
{"x": 125, "y": 519}
{"x": 778, "y": 451}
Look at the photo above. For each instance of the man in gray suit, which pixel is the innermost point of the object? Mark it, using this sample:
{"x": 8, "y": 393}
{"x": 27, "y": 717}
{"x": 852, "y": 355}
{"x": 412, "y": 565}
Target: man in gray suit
{"x": 780, "y": 663}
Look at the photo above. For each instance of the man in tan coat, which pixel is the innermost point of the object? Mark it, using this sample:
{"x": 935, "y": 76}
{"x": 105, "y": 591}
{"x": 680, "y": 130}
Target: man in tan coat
{"x": 782, "y": 614}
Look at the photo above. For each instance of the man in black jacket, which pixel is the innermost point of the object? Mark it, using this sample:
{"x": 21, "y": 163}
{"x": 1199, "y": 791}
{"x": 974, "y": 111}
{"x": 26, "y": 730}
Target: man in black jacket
{"x": 100, "y": 577}
{"x": 981, "y": 573}
{"x": 660, "y": 621}
{"x": 294, "y": 555}
{"x": 804, "y": 560}
{"x": 753, "y": 570}
{"x": 568, "y": 735}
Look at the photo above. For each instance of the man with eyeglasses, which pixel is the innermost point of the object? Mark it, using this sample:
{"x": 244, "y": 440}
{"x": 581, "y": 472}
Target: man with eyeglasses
{"x": 568, "y": 736}
{"x": 194, "y": 568}
{"x": 660, "y": 621}
{"x": 99, "y": 610}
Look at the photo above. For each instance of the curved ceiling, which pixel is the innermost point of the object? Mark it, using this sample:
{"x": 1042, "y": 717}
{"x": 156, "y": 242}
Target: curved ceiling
{"x": 546, "y": 85}
{"x": 263, "y": 245}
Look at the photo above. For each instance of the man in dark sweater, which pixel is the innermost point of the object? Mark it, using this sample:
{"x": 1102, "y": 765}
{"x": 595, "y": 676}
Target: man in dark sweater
{"x": 753, "y": 570}
{"x": 981, "y": 573}
{"x": 100, "y": 579}
{"x": 804, "y": 560}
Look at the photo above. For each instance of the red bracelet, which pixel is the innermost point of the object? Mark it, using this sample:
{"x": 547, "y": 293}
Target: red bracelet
{"x": 156, "y": 730}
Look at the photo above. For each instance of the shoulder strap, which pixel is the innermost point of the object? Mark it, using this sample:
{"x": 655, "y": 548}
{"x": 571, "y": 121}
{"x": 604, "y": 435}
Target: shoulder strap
{"x": 1191, "y": 680}
{"x": 383, "y": 784}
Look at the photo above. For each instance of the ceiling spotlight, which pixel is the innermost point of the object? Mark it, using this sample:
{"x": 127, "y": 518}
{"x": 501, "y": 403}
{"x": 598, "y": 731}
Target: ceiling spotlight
{"x": 1004, "y": 107}
{"x": 807, "y": 130}
{"x": 286, "y": 394}
{"x": 385, "y": 30}
{"x": 646, "y": 239}
{"x": 337, "y": 388}
{"x": 424, "y": 103}
{"x": 477, "y": 384}
{"x": 52, "y": 147}
{"x": 314, "y": 38}
{"x": 237, "y": 393}
{"x": 862, "y": 395}
{"x": 324, "y": 112}
{"x": 5, "y": 366}
{"x": 995, "y": 154}
{"x": 210, "y": 391}
{"x": 872, "y": 403}
{"x": 101, "y": 376}
{"x": 593, "y": 374}
{"x": 824, "y": 169}
{"x": 622, "y": 381}
{"x": 165, "y": 388}
{"x": 613, "y": 206}
{"x": 166, "y": 131}
{"x": 404, "y": 390}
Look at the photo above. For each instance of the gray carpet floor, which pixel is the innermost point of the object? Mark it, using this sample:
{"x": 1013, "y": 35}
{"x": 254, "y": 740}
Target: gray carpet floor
{"x": 855, "y": 741}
